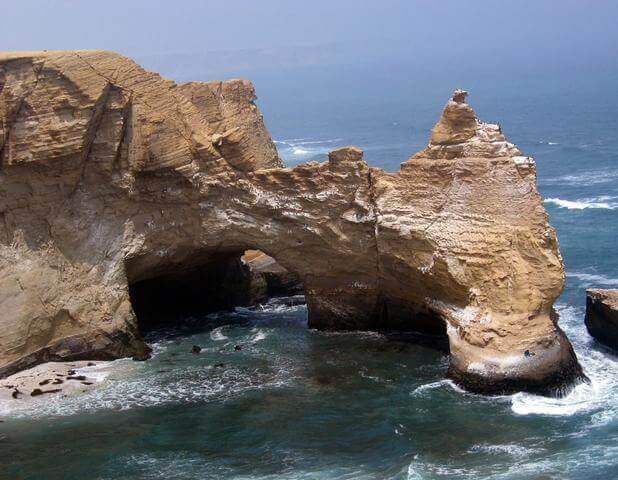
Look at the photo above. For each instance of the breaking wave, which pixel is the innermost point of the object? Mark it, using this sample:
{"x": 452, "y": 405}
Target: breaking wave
{"x": 590, "y": 177}
{"x": 217, "y": 334}
{"x": 296, "y": 150}
{"x": 428, "y": 387}
{"x": 603, "y": 202}
{"x": 599, "y": 397}
{"x": 175, "y": 375}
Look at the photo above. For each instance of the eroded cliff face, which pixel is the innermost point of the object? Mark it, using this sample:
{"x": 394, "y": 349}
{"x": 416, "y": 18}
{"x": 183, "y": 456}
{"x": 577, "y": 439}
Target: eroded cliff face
{"x": 111, "y": 176}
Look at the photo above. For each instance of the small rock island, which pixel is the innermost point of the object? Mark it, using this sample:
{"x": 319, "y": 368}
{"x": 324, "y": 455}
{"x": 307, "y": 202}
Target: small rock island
{"x": 121, "y": 191}
{"x": 602, "y": 316}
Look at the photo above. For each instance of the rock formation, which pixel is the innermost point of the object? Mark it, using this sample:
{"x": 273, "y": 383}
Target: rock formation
{"x": 115, "y": 181}
{"x": 602, "y": 316}
{"x": 268, "y": 279}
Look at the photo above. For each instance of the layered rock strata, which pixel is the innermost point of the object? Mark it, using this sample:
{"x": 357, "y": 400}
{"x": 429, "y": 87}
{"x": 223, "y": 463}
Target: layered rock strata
{"x": 111, "y": 176}
{"x": 602, "y": 316}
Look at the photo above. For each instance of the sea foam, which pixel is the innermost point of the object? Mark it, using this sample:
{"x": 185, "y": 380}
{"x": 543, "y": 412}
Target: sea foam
{"x": 295, "y": 149}
{"x": 599, "y": 396}
{"x": 605, "y": 203}
{"x": 585, "y": 178}
{"x": 217, "y": 334}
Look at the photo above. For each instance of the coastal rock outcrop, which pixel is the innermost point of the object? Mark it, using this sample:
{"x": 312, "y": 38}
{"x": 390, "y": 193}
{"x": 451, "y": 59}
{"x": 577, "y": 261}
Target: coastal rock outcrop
{"x": 268, "y": 279}
{"x": 602, "y": 316}
{"x": 119, "y": 188}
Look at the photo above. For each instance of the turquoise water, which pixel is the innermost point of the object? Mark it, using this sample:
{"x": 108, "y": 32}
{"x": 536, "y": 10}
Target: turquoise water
{"x": 300, "y": 404}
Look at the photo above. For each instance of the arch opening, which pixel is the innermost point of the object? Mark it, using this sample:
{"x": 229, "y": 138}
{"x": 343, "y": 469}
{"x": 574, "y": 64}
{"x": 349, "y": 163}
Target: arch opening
{"x": 194, "y": 284}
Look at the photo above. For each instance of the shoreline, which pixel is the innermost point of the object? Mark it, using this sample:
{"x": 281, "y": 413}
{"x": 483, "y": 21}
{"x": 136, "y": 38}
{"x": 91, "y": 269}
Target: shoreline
{"x": 48, "y": 381}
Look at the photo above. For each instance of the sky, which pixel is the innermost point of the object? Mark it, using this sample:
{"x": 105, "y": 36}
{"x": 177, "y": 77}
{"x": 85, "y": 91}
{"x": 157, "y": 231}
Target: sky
{"x": 247, "y": 34}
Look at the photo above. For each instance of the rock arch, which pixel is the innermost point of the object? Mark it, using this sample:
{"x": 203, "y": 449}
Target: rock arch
{"x": 110, "y": 174}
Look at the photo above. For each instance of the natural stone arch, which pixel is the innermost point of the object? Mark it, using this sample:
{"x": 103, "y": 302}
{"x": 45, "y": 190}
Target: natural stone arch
{"x": 110, "y": 174}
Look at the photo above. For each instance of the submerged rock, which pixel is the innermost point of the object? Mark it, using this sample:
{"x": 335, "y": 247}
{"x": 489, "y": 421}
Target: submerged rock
{"x": 602, "y": 316}
{"x": 123, "y": 192}
{"x": 196, "y": 349}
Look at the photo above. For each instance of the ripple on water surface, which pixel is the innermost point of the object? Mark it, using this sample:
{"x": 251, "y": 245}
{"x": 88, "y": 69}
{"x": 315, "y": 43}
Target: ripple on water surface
{"x": 293, "y": 403}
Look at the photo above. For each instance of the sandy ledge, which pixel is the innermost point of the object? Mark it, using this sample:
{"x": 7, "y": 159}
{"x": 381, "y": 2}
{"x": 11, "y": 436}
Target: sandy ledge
{"x": 52, "y": 379}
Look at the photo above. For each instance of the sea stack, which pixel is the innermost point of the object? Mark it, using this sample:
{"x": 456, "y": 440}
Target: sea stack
{"x": 602, "y": 316}
{"x": 120, "y": 188}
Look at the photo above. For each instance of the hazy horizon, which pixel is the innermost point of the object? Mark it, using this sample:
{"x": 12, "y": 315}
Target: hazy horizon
{"x": 240, "y": 35}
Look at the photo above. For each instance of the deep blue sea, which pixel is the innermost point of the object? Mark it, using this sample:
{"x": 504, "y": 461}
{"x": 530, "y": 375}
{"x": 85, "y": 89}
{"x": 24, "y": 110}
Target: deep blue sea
{"x": 301, "y": 404}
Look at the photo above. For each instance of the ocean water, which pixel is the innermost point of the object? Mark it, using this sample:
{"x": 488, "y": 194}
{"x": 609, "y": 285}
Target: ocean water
{"x": 299, "y": 404}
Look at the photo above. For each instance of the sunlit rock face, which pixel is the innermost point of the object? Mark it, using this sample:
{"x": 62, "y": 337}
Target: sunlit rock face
{"x": 112, "y": 176}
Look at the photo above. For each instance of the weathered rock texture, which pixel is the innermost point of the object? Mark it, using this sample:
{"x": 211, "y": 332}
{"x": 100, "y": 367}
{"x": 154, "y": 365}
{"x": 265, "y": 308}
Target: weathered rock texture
{"x": 602, "y": 316}
{"x": 112, "y": 176}
{"x": 268, "y": 279}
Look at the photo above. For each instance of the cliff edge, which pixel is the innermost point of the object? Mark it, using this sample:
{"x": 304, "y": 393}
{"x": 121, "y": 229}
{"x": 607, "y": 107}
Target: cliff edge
{"x": 114, "y": 180}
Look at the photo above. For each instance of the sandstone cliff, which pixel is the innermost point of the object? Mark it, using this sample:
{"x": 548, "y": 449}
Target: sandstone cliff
{"x": 111, "y": 176}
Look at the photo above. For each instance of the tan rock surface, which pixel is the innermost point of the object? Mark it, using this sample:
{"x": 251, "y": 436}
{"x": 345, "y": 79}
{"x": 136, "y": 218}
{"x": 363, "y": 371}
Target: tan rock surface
{"x": 111, "y": 176}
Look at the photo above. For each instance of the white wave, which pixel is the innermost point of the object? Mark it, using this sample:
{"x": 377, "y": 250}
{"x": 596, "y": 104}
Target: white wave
{"x": 290, "y": 140}
{"x": 589, "y": 177}
{"x": 305, "y": 141}
{"x": 135, "y": 384}
{"x": 159, "y": 346}
{"x": 283, "y": 308}
{"x": 259, "y": 336}
{"x": 318, "y": 142}
{"x": 580, "y": 399}
{"x": 600, "y": 396}
{"x": 217, "y": 335}
{"x": 593, "y": 279}
{"x": 433, "y": 385}
{"x": 517, "y": 451}
{"x": 581, "y": 204}
{"x": 300, "y": 151}
{"x": 418, "y": 470}
{"x": 277, "y": 305}
{"x": 302, "y": 148}
{"x": 97, "y": 372}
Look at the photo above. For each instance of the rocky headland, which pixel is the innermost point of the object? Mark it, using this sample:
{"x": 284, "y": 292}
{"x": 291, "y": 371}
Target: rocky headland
{"x": 123, "y": 194}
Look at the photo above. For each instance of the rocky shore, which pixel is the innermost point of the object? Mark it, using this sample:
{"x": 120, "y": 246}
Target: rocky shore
{"x": 122, "y": 193}
{"x": 53, "y": 379}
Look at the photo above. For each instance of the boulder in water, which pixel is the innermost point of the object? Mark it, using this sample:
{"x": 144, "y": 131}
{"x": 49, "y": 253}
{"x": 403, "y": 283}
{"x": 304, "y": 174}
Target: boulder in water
{"x": 602, "y": 316}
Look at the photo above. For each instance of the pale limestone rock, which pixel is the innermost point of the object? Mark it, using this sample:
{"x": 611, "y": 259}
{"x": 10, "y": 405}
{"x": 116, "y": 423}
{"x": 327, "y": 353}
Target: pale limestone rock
{"x": 111, "y": 176}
